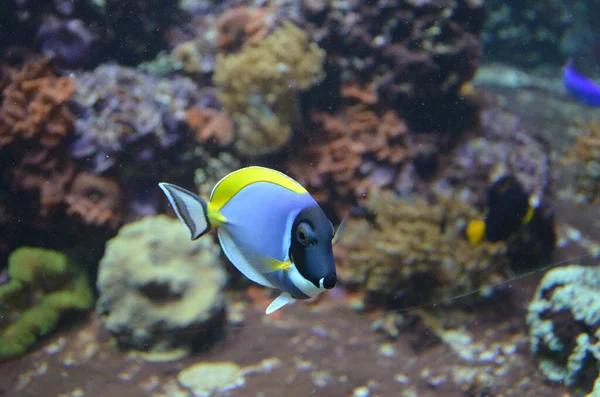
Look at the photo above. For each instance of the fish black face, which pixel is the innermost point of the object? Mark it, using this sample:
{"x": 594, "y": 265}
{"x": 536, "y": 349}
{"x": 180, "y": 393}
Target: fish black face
{"x": 508, "y": 203}
{"x": 311, "y": 247}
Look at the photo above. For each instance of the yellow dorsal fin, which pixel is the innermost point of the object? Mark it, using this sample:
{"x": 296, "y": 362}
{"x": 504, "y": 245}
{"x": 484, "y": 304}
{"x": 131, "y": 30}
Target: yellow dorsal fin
{"x": 230, "y": 185}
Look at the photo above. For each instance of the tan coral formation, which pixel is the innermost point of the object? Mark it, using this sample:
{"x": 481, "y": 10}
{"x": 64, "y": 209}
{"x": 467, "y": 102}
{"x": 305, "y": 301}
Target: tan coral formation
{"x": 159, "y": 291}
{"x": 258, "y": 87}
{"x": 416, "y": 249}
{"x": 585, "y": 155}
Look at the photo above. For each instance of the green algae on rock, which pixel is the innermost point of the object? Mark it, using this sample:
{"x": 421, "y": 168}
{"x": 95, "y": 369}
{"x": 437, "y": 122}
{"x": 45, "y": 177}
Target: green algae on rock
{"x": 258, "y": 87}
{"x": 159, "y": 291}
{"x": 43, "y": 286}
{"x": 564, "y": 327}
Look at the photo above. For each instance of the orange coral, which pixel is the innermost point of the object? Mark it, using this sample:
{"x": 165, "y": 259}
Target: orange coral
{"x": 239, "y": 25}
{"x": 35, "y": 114}
{"x": 42, "y": 170}
{"x": 35, "y": 105}
{"x": 354, "y": 151}
{"x": 95, "y": 199}
{"x": 210, "y": 125}
{"x": 367, "y": 96}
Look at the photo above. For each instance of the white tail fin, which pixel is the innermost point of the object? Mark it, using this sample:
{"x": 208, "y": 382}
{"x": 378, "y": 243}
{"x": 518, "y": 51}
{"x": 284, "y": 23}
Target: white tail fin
{"x": 191, "y": 209}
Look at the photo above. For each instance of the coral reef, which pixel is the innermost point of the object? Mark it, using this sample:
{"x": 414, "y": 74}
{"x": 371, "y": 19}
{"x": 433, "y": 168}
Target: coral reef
{"x": 262, "y": 99}
{"x": 138, "y": 29}
{"x": 96, "y": 200}
{"x": 43, "y": 286}
{"x": 585, "y": 157}
{"x": 417, "y": 54}
{"x": 210, "y": 125}
{"x": 502, "y": 146}
{"x": 537, "y": 34}
{"x": 116, "y": 107}
{"x": 241, "y": 25}
{"x": 67, "y": 41}
{"x": 34, "y": 106}
{"x": 159, "y": 291}
{"x": 215, "y": 169}
{"x": 563, "y": 324}
{"x": 415, "y": 252}
{"x": 46, "y": 172}
{"x": 35, "y": 123}
{"x": 83, "y": 32}
{"x": 362, "y": 147}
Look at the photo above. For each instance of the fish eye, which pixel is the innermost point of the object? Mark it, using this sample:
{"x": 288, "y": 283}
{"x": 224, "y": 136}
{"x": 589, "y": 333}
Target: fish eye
{"x": 302, "y": 234}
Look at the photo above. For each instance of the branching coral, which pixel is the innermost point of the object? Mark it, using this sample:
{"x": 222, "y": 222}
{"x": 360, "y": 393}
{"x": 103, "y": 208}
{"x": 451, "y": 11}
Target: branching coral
{"x": 258, "y": 87}
{"x": 417, "y": 53}
{"x": 160, "y": 291}
{"x": 118, "y": 106}
{"x": 46, "y": 172}
{"x": 43, "y": 286}
{"x": 97, "y": 200}
{"x": 585, "y": 156}
{"x": 210, "y": 125}
{"x": 564, "y": 327}
{"x": 415, "y": 251}
{"x": 35, "y": 106}
{"x": 352, "y": 152}
{"x": 503, "y": 146}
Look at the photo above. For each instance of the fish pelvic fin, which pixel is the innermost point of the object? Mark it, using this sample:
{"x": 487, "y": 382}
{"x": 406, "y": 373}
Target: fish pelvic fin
{"x": 475, "y": 231}
{"x": 279, "y": 302}
{"x": 192, "y": 210}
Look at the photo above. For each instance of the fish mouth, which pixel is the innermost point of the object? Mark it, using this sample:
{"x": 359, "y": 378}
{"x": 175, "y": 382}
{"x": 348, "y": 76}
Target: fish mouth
{"x": 328, "y": 282}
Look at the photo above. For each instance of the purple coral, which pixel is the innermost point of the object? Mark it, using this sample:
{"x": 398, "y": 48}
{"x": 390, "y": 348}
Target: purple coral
{"x": 68, "y": 41}
{"x": 123, "y": 109}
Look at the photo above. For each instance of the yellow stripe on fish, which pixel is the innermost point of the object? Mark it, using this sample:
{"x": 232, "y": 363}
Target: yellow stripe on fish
{"x": 231, "y": 185}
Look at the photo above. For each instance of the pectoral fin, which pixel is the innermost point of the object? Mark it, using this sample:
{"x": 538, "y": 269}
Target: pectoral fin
{"x": 282, "y": 300}
{"x": 340, "y": 230}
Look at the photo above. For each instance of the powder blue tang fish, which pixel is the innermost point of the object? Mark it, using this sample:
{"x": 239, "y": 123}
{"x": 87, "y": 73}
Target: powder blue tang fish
{"x": 269, "y": 227}
{"x": 579, "y": 86}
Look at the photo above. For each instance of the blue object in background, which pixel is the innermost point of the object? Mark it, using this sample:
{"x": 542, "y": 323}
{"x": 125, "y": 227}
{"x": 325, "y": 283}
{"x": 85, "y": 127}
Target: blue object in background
{"x": 581, "y": 87}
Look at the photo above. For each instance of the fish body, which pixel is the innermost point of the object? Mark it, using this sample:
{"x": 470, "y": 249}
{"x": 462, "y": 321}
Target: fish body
{"x": 269, "y": 227}
{"x": 582, "y": 88}
{"x": 508, "y": 210}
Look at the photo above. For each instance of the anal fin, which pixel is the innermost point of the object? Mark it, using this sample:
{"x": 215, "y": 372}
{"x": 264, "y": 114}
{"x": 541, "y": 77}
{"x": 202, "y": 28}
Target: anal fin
{"x": 282, "y": 300}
